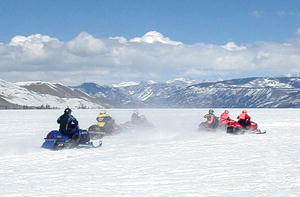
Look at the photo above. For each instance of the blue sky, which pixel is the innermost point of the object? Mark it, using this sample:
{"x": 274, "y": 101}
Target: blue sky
{"x": 190, "y": 21}
{"x": 196, "y": 24}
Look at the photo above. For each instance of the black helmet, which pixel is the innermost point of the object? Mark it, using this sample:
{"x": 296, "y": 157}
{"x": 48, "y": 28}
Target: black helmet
{"x": 67, "y": 111}
{"x": 211, "y": 111}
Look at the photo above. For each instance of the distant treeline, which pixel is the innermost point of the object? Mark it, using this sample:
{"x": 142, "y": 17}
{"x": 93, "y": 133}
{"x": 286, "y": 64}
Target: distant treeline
{"x": 13, "y": 106}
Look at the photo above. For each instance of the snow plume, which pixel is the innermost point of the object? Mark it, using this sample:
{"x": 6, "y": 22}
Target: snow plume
{"x": 107, "y": 61}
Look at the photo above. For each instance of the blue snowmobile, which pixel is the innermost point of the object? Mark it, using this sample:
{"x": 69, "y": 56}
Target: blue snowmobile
{"x": 55, "y": 140}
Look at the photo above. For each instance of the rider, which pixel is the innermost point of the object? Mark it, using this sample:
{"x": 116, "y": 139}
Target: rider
{"x": 136, "y": 118}
{"x": 68, "y": 124}
{"x": 212, "y": 120}
{"x": 105, "y": 122}
{"x": 244, "y": 119}
{"x": 224, "y": 118}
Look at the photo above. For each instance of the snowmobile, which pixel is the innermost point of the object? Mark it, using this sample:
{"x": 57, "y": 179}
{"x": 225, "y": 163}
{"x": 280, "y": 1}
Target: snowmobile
{"x": 130, "y": 126}
{"x": 203, "y": 126}
{"x": 99, "y": 132}
{"x": 234, "y": 127}
{"x": 55, "y": 140}
{"x": 94, "y": 130}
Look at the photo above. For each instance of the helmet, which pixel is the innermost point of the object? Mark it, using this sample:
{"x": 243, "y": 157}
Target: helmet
{"x": 244, "y": 111}
{"x": 102, "y": 112}
{"x": 226, "y": 111}
{"x": 211, "y": 111}
{"x": 136, "y": 111}
{"x": 67, "y": 111}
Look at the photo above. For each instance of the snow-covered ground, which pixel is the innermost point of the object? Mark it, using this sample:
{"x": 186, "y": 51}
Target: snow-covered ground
{"x": 172, "y": 160}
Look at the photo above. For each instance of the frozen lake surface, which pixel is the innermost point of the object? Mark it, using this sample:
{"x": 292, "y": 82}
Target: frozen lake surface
{"x": 172, "y": 160}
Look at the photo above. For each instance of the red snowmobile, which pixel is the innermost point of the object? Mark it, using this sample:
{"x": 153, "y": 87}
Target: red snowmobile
{"x": 234, "y": 127}
{"x": 143, "y": 123}
{"x": 131, "y": 126}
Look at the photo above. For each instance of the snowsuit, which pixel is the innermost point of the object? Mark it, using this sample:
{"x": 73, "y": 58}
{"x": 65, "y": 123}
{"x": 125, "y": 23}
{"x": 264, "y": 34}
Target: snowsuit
{"x": 244, "y": 119}
{"x": 224, "y": 118}
{"x": 105, "y": 123}
{"x": 212, "y": 120}
{"x": 68, "y": 125}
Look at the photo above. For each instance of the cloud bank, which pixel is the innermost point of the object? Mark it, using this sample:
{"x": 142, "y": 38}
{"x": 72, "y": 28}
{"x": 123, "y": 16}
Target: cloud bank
{"x": 152, "y": 56}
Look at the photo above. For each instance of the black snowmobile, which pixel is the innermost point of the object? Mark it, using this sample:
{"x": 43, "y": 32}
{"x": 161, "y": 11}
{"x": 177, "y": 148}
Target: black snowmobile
{"x": 98, "y": 131}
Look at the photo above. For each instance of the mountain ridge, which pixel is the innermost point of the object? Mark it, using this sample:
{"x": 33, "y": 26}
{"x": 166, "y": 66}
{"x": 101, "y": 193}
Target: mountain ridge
{"x": 256, "y": 92}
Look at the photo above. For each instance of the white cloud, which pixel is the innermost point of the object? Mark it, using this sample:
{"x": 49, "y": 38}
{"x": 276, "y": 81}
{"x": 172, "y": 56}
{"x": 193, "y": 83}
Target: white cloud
{"x": 120, "y": 39}
{"x": 298, "y": 31}
{"x": 196, "y": 72}
{"x": 231, "y": 46}
{"x": 154, "y": 36}
{"x": 284, "y": 13}
{"x": 86, "y": 58}
{"x": 289, "y": 75}
{"x": 85, "y": 45}
{"x": 27, "y": 41}
{"x": 257, "y": 13}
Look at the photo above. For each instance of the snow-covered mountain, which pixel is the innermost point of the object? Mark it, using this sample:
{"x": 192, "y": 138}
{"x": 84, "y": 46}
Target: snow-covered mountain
{"x": 113, "y": 96}
{"x": 155, "y": 94}
{"x": 178, "y": 93}
{"x": 248, "y": 92}
{"x": 133, "y": 94}
{"x": 39, "y": 94}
